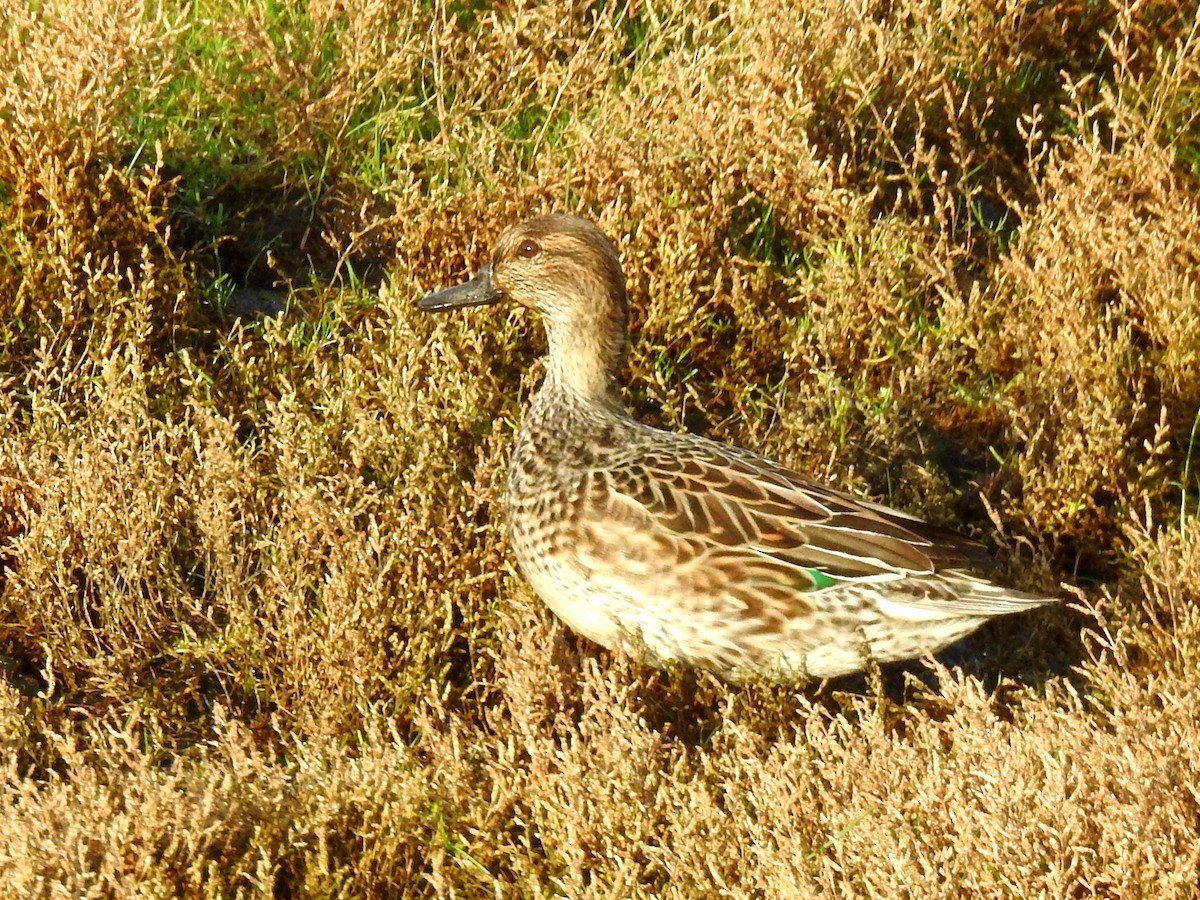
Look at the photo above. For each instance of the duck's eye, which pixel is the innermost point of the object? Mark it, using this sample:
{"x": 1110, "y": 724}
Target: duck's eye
{"x": 529, "y": 249}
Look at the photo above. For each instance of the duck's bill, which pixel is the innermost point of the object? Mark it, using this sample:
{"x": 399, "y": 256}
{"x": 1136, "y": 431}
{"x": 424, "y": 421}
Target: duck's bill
{"x": 479, "y": 291}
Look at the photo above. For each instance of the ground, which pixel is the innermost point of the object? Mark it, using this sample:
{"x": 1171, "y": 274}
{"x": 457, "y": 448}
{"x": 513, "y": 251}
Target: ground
{"x": 259, "y": 628}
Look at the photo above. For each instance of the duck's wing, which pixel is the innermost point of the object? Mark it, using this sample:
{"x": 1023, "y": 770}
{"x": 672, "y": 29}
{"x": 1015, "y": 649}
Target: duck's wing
{"x": 738, "y": 519}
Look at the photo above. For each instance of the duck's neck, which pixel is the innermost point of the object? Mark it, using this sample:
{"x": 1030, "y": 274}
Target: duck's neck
{"x": 584, "y": 358}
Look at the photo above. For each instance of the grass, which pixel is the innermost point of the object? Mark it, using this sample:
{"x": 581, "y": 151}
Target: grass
{"x": 259, "y": 630}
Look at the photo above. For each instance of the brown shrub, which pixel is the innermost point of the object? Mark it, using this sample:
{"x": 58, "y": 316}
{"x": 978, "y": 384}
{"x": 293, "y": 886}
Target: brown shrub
{"x": 258, "y": 631}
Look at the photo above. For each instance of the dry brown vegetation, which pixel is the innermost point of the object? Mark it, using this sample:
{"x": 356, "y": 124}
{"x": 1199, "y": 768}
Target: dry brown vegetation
{"x": 258, "y": 629}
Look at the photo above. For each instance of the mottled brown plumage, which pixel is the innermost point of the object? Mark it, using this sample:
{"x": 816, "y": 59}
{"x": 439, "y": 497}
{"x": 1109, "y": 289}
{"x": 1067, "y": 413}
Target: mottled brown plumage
{"x": 677, "y": 548}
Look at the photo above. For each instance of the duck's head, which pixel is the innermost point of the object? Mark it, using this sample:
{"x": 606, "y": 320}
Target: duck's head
{"x": 566, "y": 269}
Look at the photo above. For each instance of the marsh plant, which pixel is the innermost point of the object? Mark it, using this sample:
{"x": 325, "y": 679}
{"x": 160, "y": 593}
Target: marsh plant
{"x": 260, "y": 632}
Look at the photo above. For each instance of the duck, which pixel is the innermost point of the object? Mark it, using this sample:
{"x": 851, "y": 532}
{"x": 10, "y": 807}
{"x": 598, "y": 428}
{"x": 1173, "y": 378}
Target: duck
{"x": 680, "y": 550}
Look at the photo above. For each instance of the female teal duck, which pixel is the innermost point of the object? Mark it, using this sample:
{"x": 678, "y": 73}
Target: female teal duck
{"x": 679, "y": 549}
